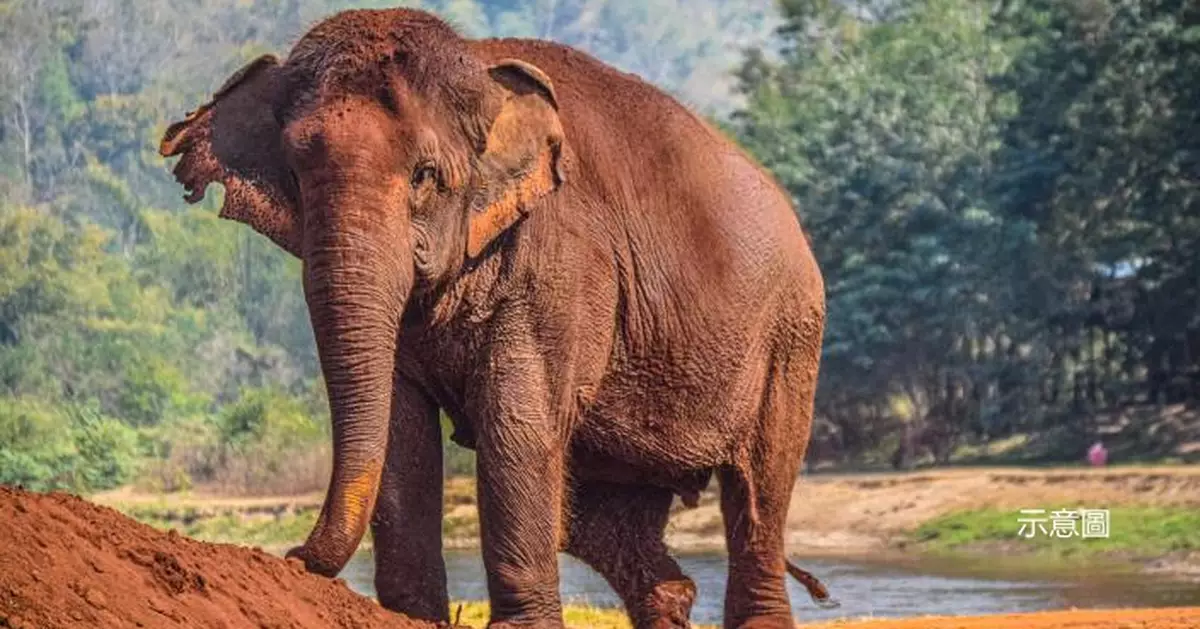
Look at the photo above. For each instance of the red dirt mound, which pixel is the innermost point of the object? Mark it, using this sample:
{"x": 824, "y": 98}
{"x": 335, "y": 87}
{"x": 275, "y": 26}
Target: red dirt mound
{"x": 65, "y": 562}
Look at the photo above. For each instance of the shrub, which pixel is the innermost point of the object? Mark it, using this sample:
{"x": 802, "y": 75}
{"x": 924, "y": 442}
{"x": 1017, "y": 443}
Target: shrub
{"x": 266, "y": 442}
{"x": 178, "y": 453}
{"x": 46, "y": 447}
{"x": 269, "y": 443}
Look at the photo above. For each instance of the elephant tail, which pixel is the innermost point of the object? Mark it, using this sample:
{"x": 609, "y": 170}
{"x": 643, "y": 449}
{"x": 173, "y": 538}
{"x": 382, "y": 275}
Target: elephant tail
{"x": 815, "y": 588}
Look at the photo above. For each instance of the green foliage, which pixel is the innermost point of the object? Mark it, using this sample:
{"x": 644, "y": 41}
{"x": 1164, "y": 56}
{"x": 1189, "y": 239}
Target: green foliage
{"x": 46, "y": 447}
{"x": 280, "y": 530}
{"x": 999, "y": 196}
{"x": 264, "y": 442}
{"x": 269, "y": 417}
{"x": 1101, "y": 155}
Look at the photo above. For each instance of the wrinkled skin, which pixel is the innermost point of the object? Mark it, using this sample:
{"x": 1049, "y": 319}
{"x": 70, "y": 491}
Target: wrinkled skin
{"x": 610, "y": 301}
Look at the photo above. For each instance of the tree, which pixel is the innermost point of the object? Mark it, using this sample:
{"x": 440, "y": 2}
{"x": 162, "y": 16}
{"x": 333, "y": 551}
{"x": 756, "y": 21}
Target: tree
{"x": 882, "y": 122}
{"x": 1102, "y": 156}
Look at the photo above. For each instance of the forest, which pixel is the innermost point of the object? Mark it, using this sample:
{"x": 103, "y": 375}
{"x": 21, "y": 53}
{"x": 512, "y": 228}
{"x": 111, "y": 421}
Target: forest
{"x": 1004, "y": 197}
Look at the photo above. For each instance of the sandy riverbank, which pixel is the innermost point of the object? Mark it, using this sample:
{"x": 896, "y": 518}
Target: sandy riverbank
{"x": 831, "y": 515}
{"x": 840, "y": 515}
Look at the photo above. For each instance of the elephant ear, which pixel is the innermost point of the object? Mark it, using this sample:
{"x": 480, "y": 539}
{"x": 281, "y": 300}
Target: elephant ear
{"x": 236, "y": 139}
{"x": 522, "y": 160}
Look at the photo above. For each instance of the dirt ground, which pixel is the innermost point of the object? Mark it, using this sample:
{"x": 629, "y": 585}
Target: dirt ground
{"x": 65, "y": 562}
{"x": 847, "y": 514}
{"x": 830, "y": 514}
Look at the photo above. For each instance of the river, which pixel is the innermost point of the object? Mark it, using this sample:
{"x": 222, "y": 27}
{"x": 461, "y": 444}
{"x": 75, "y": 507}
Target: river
{"x": 864, "y": 589}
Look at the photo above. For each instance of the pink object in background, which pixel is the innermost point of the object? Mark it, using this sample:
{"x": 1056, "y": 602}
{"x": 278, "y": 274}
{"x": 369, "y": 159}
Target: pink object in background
{"x": 1097, "y": 455}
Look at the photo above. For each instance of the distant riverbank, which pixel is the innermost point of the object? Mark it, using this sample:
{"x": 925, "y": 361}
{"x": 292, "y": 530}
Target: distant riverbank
{"x": 1154, "y": 516}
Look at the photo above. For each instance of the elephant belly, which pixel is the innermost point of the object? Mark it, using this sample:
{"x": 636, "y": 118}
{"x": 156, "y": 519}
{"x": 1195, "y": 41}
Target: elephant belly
{"x": 659, "y": 437}
{"x": 587, "y": 464}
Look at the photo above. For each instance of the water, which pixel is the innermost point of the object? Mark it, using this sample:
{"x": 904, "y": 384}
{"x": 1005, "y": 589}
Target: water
{"x": 864, "y": 589}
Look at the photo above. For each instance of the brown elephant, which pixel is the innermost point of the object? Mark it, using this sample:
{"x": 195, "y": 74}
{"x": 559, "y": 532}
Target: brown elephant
{"x": 608, "y": 298}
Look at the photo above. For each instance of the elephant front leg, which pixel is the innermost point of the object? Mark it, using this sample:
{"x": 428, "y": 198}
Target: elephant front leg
{"x": 410, "y": 573}
{"x": 520, "y": 478}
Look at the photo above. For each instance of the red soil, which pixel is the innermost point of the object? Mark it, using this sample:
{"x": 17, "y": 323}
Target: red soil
{"x": 65, "y": 562}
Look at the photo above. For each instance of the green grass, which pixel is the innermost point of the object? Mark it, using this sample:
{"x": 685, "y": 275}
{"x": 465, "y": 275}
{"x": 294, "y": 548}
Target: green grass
{"x": 461, "y": 526}
{"x": 212, "y": 522}
{"x": 1133, "y": 532}
{"x": 260, "y": 530}
{"x": 475, "y": 614}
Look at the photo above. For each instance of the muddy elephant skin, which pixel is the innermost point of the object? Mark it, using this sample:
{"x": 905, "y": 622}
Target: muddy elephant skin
{"x": 609, "y": 299}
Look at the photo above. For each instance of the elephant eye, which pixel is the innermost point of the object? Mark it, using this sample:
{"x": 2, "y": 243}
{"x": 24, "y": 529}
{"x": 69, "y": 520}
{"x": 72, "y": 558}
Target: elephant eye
{"x": 423, "y": 174}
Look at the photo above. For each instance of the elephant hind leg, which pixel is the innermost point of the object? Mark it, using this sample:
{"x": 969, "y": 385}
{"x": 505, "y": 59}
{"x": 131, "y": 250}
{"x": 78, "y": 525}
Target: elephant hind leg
{"x": 755, "y": 493}
{"x": 618, "y": 531}
{"x": 755, "y": 591}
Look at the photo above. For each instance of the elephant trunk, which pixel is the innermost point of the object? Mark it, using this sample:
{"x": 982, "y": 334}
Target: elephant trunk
{"x": 357, "y": 275}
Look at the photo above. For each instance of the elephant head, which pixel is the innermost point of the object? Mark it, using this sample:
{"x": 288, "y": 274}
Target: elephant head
{"x": 386, "y": 155}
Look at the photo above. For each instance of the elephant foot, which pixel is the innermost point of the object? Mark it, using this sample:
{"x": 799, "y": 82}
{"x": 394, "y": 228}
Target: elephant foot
{"x": 540, "y": 623}
{"x": 778, "y": 621}
{"x": 668, "y": 606}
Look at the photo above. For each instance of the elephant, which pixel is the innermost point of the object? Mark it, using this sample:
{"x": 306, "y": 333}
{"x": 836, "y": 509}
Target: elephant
{"x": 610, "y": 300}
